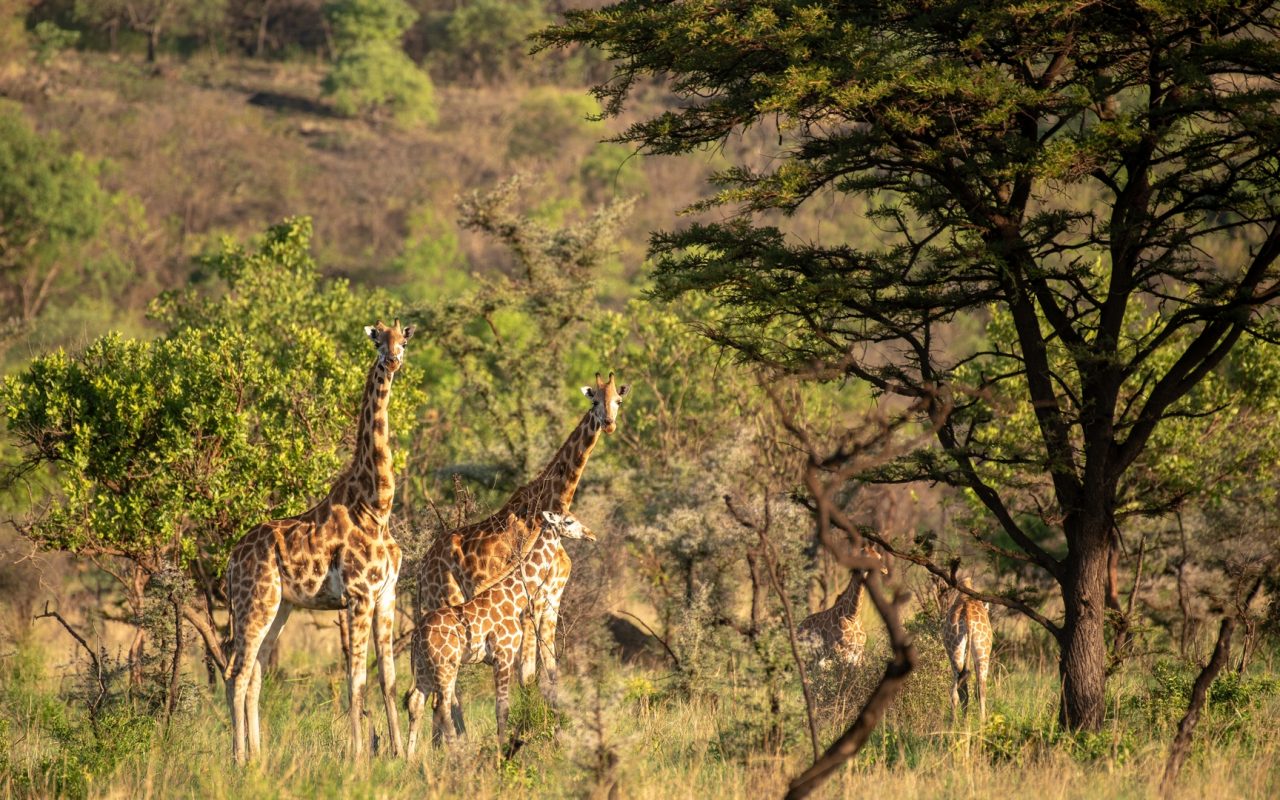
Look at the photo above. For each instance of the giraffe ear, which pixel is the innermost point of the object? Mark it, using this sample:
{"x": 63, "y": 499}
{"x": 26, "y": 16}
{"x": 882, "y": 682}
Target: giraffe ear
{"x": 623, "y": 389}
{"x": 552, "y": 519}
{"x": 371, "y": 332}
{"x": 589, "y": 392}
{"x": 408, "y": 332}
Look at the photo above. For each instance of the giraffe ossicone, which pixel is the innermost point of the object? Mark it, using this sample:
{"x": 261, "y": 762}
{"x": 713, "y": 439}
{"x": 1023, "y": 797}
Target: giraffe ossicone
{"x": 339, "y": 554}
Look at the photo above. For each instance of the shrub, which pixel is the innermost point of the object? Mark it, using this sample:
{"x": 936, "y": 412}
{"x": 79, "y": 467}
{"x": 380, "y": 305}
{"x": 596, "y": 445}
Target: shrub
{"x": 372, "y": 72}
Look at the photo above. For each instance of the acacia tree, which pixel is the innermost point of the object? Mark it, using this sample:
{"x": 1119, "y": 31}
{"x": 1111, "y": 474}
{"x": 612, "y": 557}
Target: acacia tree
{"x": 1003, "y": 149}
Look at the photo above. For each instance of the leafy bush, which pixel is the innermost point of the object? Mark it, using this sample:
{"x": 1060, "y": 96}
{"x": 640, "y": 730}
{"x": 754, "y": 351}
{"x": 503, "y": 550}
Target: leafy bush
{"x": 372, "y": 72}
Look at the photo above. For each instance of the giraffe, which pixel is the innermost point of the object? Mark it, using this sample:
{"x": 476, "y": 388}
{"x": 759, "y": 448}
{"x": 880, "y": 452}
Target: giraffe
{"x": 339, "y": 554}
{"x": 837, "y": 631}
{"x": 477, "y": 554}
{"x": 966, "y": 635}
{"x": 485, "y": 628}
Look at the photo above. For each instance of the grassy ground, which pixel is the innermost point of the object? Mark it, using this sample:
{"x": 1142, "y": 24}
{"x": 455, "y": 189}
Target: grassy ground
{"x": 649, "y": 733}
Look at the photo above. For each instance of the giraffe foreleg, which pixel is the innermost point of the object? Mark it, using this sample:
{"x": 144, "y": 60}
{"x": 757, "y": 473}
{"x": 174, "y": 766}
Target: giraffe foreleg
{"x": 359, "y": 623}
{"x": 255, "y": 680}
{"x": 547, "y": 652}
{"x": 253, "y": 616}
{"x": 503, "y": 670}
{"x": 445, "y": 679}
{"x": 529, "y": 641}
{"x": 384, "y": 617}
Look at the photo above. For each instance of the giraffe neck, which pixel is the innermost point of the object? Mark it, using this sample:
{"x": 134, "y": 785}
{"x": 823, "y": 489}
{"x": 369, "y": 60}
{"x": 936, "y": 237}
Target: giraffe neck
{"x": 369, "y": 479}
{"x": 847, "y": 602}
{"x": 558, "y": 481}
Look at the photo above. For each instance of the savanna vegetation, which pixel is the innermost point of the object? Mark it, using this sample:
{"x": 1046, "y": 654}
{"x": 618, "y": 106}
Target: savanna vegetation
{"x": 989, "y": 285}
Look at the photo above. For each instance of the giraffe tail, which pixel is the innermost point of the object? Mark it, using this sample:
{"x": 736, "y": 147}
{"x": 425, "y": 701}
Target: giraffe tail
{"x": 231, "y": 628}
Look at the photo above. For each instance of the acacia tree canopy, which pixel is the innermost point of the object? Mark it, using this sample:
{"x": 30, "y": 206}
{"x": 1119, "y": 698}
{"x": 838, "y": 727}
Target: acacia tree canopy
{"x": 1005, "y": 150}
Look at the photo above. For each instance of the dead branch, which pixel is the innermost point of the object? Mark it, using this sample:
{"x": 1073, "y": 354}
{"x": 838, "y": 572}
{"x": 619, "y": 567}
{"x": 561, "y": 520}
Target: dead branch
{"x": 99, "y": 674}
{"x": 1181, "y": 747}
{"x": 211, "y": 642}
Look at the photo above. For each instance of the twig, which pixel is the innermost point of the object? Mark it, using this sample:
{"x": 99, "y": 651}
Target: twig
{"x": 93, "y": 657}
{"x": 654, "y": 634}
{"x": 211, "y": 643}
{"x": 1181, "y": 747}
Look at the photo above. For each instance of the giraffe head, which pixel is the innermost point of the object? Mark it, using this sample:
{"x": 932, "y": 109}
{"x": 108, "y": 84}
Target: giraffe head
{"x": 869, "y": 550}
{"x": 390, "y": 341}
{"x": 606, "y": 398}
{"x": 567, "y": 526}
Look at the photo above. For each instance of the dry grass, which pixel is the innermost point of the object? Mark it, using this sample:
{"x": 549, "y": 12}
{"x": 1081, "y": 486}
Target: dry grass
{"x": 666, "y": 745}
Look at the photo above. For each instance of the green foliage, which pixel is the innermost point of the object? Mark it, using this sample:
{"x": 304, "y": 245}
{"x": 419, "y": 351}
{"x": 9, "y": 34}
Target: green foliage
{"x": 611, "y": 169}
{"x": 51, "y": 205}
{"x": 234, "y": 415}
{"x": 510, "y": 337}
{"x": 1103, "y": 180}
{"x": 372, "y": 72}
{"x": 13, "y": 33}
{"x": 546, "y": 119}
{"x": 487, "y": 40}
{"x": 50, "y": 40}
{"x": 154, "y": 18}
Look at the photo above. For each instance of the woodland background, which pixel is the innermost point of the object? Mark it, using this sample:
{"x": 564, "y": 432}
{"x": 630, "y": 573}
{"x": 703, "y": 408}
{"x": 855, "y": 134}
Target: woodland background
{"x": 202, "y": 203}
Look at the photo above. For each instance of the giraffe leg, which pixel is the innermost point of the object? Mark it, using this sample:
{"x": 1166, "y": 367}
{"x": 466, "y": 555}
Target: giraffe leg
{"x": 547, "y": 650}
{"x": 384, "y": 616}
{"x": 255, "y": 681}
{"x": 529, "y": 640}
{"x": 416, "y": 699}
{"x": 359, "y": 622}
{"x": 254, "y": 613}
{"x": 981, "y": 663}
{"x": 503, "y": 670}
{"x": 446, "y": 677}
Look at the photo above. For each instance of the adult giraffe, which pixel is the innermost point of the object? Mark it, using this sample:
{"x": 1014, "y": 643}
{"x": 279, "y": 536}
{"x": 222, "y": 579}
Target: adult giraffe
{"x": 339, "y": 554}
{"x": 479, "y": 554}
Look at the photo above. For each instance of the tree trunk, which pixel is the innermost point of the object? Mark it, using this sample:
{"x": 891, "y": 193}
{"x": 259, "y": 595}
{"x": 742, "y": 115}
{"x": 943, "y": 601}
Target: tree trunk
{"x": 153, "y": 39}
{"x": 1084, "y": 648}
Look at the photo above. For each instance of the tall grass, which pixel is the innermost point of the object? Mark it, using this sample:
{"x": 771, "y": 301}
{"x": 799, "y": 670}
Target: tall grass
{"x": 665, "y": 743}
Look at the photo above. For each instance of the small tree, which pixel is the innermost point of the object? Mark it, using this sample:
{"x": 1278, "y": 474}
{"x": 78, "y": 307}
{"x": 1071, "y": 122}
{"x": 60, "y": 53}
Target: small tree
{"x": 152, "y": 18}
{"x": 1002, "y": 150}
{"x": 372, "y": 71}
{"x": 50, "y": 207}
{"x": 165, "y": 451}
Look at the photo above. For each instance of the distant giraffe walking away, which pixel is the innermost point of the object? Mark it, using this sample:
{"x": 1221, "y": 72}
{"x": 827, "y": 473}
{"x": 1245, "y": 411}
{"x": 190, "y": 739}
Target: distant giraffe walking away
{"x": 478, "y": 554}
{"x": 837, "y": 632}
{"x": 485, "y": 628}
{"x": 966, "y": 634}
{"x": 340, "y": 554}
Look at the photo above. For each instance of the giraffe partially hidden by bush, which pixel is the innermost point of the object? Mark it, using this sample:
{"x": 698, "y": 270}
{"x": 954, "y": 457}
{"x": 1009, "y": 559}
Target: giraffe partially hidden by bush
{"x": 479, "y": 553}
{"x": 837, "y": 632}
{"x": 487, "y": 627}
{"x": 966, "y": 635}
{"x": 340, "y": 554}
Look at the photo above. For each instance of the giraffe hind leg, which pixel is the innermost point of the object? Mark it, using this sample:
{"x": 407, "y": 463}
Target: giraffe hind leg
{"x": 253, "y": 623}
{"x": 255, "y": 681}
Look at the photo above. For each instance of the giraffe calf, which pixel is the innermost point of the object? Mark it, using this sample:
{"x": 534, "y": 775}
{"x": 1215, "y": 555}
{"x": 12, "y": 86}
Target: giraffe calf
{"x": 488, "y": 627}
{"x": 837, "y": 632}
{"x": 966, "y": 635}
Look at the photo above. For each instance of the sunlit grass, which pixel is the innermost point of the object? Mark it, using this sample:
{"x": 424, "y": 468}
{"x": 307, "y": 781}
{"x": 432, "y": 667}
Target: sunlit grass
{"x": 666, "y": 745}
